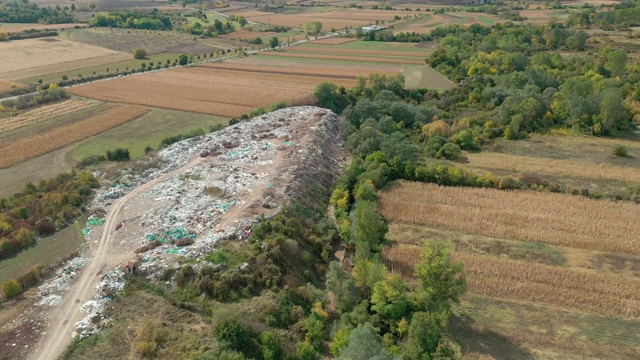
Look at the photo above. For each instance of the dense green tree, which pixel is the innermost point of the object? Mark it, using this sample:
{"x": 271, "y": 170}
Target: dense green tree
{"x": 364, "y": 344}
{"x": 327, "y": 96}
{"x": 440, "y": 277}
{"x": 274, "y": 42}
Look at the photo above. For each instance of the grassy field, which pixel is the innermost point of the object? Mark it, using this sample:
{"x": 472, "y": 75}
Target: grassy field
{"x": 148, "y": 130}
{"x": 405, "y": 58}
{"x": 528, "y": 298}
{"x": 154, "y": 42}
{"x": 574, "y": 161}
{"x": 47, "y": 251}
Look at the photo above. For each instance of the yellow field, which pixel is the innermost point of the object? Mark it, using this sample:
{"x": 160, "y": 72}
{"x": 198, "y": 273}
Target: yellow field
{"x": 26, "y": 148}
{"x": 556, "y": 219}
{"x": 546, "y": 166}
{"x": 544, "y": 270}
{"x": 15, "y": 27}
{"x": 35, "y": 57}
{"x": 44, "y": 113}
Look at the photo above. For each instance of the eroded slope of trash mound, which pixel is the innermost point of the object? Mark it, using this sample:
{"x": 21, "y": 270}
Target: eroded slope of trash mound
{"x": 225, "y": 181}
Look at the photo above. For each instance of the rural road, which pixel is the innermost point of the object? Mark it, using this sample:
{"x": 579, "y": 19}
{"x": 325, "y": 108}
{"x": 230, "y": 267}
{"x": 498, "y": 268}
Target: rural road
{"x": 100, "y": 258}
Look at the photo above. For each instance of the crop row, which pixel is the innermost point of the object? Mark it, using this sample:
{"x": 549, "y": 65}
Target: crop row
{"x": 524, "y": 281}
{"x": 30, "y": 147}
{"x": 556, "y": 219}
{"x": 44, "y": 113}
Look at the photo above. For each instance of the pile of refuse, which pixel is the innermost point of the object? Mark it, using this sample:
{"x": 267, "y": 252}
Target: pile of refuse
{"x": 247, "y": 171}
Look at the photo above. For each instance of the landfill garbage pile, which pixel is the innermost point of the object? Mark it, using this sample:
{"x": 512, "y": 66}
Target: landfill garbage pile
{"x": 239, "y": 174}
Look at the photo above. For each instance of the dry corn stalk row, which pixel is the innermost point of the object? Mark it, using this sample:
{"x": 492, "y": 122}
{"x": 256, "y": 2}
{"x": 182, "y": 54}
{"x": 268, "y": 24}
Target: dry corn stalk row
{"x": 556, "y": 219}
{"x": 27, "y": 148}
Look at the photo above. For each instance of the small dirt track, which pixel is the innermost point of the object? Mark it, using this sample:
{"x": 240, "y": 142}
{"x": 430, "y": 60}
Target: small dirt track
{"x": 100, "y": 258}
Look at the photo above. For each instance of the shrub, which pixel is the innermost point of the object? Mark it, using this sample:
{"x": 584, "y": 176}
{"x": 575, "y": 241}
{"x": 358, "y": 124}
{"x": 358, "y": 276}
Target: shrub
{"x": 118, "y": 154}
{"x": 139, "y": 53}
{"x": 44, "y": 228}
{"x": 232, "y": 332}
{"x": 449, "y": 151}
{"x": 11, "y": 289}
{"x": 620, "y": 150}
{"x": 148, "y": 149}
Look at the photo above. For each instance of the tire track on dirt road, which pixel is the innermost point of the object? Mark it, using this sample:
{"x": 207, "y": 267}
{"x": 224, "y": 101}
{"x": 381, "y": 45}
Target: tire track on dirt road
{"x": 67, "y": 314}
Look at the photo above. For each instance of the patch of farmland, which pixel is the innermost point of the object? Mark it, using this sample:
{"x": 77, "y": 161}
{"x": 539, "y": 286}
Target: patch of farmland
{"x": 246, "y": 34}
{"x": 15, "y": 27}
{"x": 349, "y": 58}
{"x": 543, "y": 284}
{"x": 338, "y": 19}
{"x": 337, "y": 50}
{"x": 577, "y": 298}
{"x": 334, "y": 41}
{"x": 35, "y": 57}
{"x": 154, "y": 42}
{"x": 555, "y": 167}
{"x": 329, "y": 72}
{"x": 44, "y": 113}
{"x": 543, "y": 16}
{"x": 556, "y": 219}
{"x": 205, "y": 90}
{"x": 22, "y": 149}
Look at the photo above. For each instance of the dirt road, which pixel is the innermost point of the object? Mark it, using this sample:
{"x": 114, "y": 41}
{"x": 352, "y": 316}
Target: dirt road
{"x": 102, "y": 257}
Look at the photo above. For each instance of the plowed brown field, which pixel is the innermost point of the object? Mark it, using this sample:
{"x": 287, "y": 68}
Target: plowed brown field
{"x": 30, "y": 147}
{"x": 6, "y": 86}
{"x": 206, "y": 89}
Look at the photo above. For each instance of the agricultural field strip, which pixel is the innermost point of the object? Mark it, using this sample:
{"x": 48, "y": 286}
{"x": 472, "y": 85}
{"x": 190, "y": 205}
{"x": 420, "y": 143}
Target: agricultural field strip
{"x": 333, "y": 41}
{"x": 335, "y": 50}
{"x": 198, "y": 89}
{"x": 568, "y": 168}
{"x": 44, "y": 113}
{"x": 349, "y": 58}
{"x": 607, "y": 295}
{"x": 556, "y": 219}
{"x": 45, "y": 56}
{"x": 326, "y": 72}
{"x": 21, "y": 150}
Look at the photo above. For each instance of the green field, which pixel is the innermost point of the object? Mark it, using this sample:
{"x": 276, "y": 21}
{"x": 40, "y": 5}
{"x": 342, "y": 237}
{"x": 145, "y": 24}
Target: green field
{"x": 147, "y": 130}
{"x": 47, "y": 251}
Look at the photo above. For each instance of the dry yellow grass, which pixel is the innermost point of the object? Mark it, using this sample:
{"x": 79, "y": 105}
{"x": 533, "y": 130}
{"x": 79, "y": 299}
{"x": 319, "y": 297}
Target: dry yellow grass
{"x": 44, "y": 113}
{"x": 522, "y": 281}
{"x": 6, "y": 86}
{"x": 568, "y": 168}
{"x": 34, "y": 57}
{"x": 27, "y": 148}
{"x": 15, "y": 27}
{"x": 556, "y": 219}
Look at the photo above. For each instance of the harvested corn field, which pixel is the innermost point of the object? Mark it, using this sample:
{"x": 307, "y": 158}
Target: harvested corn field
{"x": 544, "y": 284}
{"x": 44, "y": 113}
{"x": 556, "y": 219}
{"x": 207, "y": 90}
{"x": 26, "y": 148}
